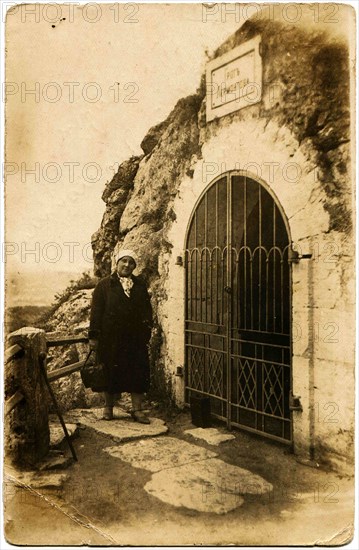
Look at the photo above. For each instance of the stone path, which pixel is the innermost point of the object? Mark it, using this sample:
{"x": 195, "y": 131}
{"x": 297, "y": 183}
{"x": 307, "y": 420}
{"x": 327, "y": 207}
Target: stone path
{"x": 183, "y": 474}
{"x": 57, "y": 433}
{"x": 175, "y": 490}
{"x": 121, "y": 428}
{"x": 210, "y": 435}
{"x": 160, "y": 453}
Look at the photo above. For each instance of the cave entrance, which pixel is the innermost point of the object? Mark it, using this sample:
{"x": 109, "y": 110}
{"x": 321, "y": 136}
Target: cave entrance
{"x": 238, "y": 306}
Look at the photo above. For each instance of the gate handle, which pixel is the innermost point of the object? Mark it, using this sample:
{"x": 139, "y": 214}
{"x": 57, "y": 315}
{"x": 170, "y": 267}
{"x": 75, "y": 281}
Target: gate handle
{"x": 228, "y": 289}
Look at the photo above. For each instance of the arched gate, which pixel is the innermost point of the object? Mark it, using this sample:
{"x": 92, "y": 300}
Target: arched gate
{"x": 238, "y": 306}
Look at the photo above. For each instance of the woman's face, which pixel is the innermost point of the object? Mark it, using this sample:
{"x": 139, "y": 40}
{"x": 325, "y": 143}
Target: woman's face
{"x": 125, "y": 266}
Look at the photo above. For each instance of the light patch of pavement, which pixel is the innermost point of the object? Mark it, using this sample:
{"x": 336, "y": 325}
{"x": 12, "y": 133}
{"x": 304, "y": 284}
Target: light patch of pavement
{"x": 207, "y": 486}
{"x": 121, "y": 428}
{"x": 187, "y": 475}
{"x": 186, "y": 487}
{"x": 160, "y": 453}
{"x": 57, "y": 435}
{"x": 212, "y": 436}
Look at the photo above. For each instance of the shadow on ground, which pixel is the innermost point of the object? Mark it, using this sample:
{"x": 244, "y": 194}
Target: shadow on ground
{"x": 103, "y": 500}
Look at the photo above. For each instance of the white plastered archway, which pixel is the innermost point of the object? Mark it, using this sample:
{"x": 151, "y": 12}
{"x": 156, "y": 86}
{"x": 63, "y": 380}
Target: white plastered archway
{"x": 270, "y": 155}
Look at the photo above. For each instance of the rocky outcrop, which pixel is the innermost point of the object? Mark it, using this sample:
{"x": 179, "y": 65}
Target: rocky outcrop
{"x": 153, "y": 136}
{"x": 116, "y": 195}
{"x": 138, "y": 198}
{"x": 138, "y": 206}
{"x": 74, "y": 313}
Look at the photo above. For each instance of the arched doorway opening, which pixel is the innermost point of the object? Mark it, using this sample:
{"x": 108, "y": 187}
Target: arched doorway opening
{"x": 238, "y": 306}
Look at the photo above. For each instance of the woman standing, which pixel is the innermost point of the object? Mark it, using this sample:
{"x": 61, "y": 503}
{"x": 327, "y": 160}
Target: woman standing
{"x": 120, "y": 329}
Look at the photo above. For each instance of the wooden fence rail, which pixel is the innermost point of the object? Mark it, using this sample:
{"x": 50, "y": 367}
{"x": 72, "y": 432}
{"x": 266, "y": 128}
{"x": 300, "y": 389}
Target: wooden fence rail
{"x": 64, "y": 371}
{"x": 56, "y": 339}
{"x": 14, "y": 400}
{"x": 52, "y": 339}
{"x": 12, "y": 352}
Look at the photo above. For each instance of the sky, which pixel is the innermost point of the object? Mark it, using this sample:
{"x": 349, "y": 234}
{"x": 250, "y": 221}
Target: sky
{"x": 84, "y": 84}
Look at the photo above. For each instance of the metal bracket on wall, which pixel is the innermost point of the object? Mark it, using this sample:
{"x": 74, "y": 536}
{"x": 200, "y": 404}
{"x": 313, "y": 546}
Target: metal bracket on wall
{"x": 294, "y": 256}
{"x": 294, "y": 403}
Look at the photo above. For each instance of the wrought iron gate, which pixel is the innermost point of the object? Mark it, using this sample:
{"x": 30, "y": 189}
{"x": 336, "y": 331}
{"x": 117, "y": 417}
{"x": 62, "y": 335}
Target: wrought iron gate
{"x": 238, "y": 306}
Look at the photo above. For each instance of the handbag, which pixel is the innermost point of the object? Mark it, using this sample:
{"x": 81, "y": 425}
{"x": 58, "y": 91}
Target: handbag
{"x": 93, "y": 375}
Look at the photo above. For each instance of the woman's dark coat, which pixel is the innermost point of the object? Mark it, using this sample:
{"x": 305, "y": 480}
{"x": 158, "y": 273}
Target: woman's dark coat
{"x": 122, "y": 326}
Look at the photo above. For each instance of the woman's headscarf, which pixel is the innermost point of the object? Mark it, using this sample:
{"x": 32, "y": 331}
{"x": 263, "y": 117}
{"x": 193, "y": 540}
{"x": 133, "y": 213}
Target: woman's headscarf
{"x": 122, "y": 253}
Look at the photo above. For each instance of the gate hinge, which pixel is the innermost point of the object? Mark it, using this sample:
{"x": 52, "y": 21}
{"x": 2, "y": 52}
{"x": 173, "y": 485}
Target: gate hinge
{"x": 294, "y": 403}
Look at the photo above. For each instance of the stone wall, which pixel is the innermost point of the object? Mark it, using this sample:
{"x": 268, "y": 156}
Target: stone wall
{"x": 296, "y": 141}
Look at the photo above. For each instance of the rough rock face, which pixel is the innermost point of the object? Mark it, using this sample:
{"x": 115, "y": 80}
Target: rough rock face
{"x": 138, "y": 198}
{"x": 74, "y": 313}
{"x": 138, "y": 205}
{"x": 115, "y": 195}
{"x": 153, "y": 136}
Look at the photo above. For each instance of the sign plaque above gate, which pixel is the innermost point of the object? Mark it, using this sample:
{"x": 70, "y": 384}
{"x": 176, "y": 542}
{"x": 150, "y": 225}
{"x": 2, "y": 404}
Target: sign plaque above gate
{"x": 234, "y": 80}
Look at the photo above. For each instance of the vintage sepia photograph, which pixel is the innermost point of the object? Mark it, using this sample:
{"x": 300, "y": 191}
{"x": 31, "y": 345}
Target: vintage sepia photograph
{"x": 179, "y": 274}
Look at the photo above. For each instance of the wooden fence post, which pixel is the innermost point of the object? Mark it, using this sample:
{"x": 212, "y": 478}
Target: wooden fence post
{"x": 27, "y": 436}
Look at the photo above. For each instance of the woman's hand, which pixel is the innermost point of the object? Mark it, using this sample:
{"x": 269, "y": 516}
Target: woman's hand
{"x": 93, "y": 344}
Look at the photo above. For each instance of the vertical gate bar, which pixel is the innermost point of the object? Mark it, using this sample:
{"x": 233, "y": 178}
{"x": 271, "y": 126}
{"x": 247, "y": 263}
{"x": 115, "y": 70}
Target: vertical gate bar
{"x": 188, "y": 274}
{"x": 267, "y": 288}
{"x": 188, "y": 313}
{"x": 216, "y": 214}
{"x": 190, "y": 305}
{"x": 195, "y": 283}
{"x": 205, "y": 252}
{"x": 256, "y": 379}
{"x": 218, "y": 321}
{"x": 260, "y": 257}
{"x": 237, "y": 297}
{"x": 290, "y": 341}
{"x": 274, "y": 258}
{"x": 217, "y": 258}
{"x": 223, "y": 283}
{"x": 211, "y": 288}
{"x": 262, "y": 388}
{"x": 283, "y": 410}
{"x": 205, "y": 363}
{"x": 201, "y": 287}
{"x": 245, "y": 249}
{"x": 281, "y": 292}
{"x": 208, "y": 295}
{"x": 229, "y": 284}
{"x": 195, "y": 266}
{"x": 251, "y": 284}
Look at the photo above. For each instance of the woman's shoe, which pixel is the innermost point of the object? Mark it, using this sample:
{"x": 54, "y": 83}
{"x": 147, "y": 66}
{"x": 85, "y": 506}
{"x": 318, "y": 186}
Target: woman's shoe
{"x": 107, "y": 413}
{"x": 138, "y": 416}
